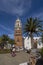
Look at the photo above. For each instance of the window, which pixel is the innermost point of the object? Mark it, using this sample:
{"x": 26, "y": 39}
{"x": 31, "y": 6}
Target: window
{"x": 18, "y": 34}
{"x": 17, "y": 39}
{"x": 39, "y": 43}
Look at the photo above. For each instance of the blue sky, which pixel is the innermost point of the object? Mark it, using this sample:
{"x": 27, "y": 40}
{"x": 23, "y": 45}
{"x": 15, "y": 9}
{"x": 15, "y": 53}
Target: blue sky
{"x": 10, "y": 10}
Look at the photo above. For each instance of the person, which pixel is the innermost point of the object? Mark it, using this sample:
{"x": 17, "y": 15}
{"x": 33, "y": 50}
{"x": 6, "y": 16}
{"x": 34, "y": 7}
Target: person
{"x": 13, "y": 52}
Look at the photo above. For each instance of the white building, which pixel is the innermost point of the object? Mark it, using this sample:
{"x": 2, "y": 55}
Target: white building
{"x": 27, "y": 42}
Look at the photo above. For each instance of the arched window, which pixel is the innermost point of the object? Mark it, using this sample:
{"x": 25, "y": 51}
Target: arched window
{"x": 18, "y": 40}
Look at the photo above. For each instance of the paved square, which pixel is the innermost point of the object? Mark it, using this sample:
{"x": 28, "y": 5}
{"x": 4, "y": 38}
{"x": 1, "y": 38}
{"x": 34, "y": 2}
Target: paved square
{"x": 7, "y": 59}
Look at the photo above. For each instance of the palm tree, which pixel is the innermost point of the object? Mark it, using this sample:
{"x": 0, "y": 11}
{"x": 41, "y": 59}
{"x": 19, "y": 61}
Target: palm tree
{"x": 32, "y": 26}
{"x": 4, "y": 39}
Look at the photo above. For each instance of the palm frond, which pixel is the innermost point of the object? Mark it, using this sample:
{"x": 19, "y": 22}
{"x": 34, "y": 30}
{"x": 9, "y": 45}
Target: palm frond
{"x": 32, "y": 25}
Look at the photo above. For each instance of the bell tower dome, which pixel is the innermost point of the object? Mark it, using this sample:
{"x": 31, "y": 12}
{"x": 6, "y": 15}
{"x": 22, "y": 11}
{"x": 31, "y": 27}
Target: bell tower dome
{"x": 18, "y": 24}
{"x": 18, "y": 33}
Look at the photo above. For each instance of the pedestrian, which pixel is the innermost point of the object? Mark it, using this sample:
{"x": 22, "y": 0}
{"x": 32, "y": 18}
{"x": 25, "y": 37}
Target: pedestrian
{"x": 13, "y": 52}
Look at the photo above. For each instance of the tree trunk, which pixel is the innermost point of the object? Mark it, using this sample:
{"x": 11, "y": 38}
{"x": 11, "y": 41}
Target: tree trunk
{"x": 31, "y": 40}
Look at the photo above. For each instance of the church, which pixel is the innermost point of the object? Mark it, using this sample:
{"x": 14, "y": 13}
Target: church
{"x": 24, "y": 42}
{"x": 18, "y": 34}
{"x": 37, "y": 43}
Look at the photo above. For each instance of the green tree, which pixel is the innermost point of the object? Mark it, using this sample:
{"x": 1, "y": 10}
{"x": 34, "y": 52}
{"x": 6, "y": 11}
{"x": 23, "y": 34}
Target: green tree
{"x": 11, "y": 41}
{"x": 41, "y": 52}
{"x": 42, "y": 37}
{"x": 0, "y": 41}
{"x": 4, "y": 39}
{"x": 32, "y": 26}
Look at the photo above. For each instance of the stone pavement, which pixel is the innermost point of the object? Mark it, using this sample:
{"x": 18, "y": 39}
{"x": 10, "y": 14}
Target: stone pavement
{"x": 7, "y": 59}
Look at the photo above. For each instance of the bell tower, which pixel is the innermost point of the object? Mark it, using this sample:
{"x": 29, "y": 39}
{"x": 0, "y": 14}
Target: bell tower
{"x": 18, "y": 33}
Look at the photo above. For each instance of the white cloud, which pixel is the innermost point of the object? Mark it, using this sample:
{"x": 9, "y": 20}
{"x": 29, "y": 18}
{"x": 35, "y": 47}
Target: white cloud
{"x": 18, "y": 7}
{"x": 5, "y": 28}
{"x": 11, "y": 36}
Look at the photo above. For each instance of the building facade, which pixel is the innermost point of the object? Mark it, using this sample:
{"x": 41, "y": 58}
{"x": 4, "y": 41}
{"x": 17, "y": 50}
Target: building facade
{"x": 36, "y": 41}
{"x": 18, "y": 33}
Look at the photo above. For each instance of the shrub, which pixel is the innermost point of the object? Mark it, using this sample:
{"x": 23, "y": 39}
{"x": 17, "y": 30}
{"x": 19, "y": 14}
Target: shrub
{"x": 41, "y": 52}
{"x": 2, "y": 51}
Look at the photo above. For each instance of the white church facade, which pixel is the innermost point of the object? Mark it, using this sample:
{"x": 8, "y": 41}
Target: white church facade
{"x": 28, "y": 45}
